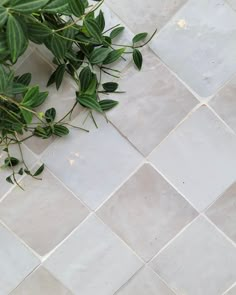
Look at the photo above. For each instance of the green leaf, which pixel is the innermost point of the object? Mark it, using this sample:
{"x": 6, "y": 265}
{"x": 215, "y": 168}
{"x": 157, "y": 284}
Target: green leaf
{"x": 8, "y": 179}
{"x": 57, "y": 45}
{"x": 40, "y": 99}
{"x": 91, "y": 90}
{"x": 77, "y": 7}
{"x": 27, "y": 6}
{"x": 56, "y": 6}
{"x": 115, "y": 32}
{"x": 3, "y": 15}
{"x": 101, "y": 20}
{"x": 107, "y": 104}
{"x": 38, "y": 31}
{"x": 138, "y": 59}
{"x": 50, "y": 115}
{"x": 93, "y": 29}
{"x": 27, "y": 115}
{"x": 3, "y": 79}
{"x": 113, "y": 56}
{"x": 60, "y": 130}
{"x": 85, "y": 77}
{"x": 18, "y": 88}
{"x": 59, "y": 74}
{"x": 110, "y": 86}
{"x": 11, "y": 161}
{"x": 15, "y": 38}
{"x": 24, "y": 79}
{"x": 99, "y": 55}
{"x": 39, "y": 170}
{"x": 139, "y": 37}
{"x": 89, "y": 102}
{"x": 30, "y": 97}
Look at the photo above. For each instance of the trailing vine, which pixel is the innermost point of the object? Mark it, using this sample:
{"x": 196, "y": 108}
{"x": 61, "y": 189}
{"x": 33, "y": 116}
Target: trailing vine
{"x": 74, "y": 31}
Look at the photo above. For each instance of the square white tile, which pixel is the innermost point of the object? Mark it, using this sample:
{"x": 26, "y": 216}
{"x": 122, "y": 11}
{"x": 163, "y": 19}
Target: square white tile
{"x": 223, "y": 212}
{"x": 41, "y": 282}
{"x": 199, "y": 261}
{"x": 145, "y": 17}
{"x": 145, "y": 282}
{"x": 92, "y": 164}
{"x": 198, "y": 44}
{"x": 93, "y": 260}
{"x": 16, "y": 261}
{"x": 146, "y": 212}
{"x": 43, "y": 214}
{"x": 152, "y": 109}
{"x": 198, "y": 158}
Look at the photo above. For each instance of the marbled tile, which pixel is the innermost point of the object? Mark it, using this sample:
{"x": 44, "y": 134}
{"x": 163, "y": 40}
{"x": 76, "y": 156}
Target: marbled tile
{"x": 93, "y": 260}
{"x": 42, "y": 215}
{"x": 198, "y": 158}
{"x": 62, "y": 99}
{"x": 232, "y": 3}
{"x": 223, "y": 212}
{"x": 92, "y": 164}
{"x": 198, "y": 44}
{"x": 231, "y": 291}
{"x": 145, "y": 282}
{"x": 146, "y": 212}
{"x": 29, "y": 158}
{"x": 199, "y": 261}
{"x": 16, "y": 261}
{"x": 41, "y": 282}
{"x": 145, "y": 17}
{"x": 224, "y": 103}
{"x": 152, "y": 109}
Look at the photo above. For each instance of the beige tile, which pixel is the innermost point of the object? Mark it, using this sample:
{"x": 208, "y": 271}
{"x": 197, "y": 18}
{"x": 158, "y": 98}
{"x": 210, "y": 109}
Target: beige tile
{"x": 198, "y": 158}
{"x": 225, "y": 105}
{"x": 148, "y": 16}
{"x": 223, "y": 212}
{"x": 145, "y": 282}
{"x": 16, "y": 261}
{"x": 231, "y": 291}
{"x": 92, "y": 164}
{"x": 232, "y": 3}
{"x": 41, "y": 282}
{"x": 29, "y": 158}
{"x": 93, "y": 260}
{"x": 199, "y": 261}
{"x": 62, "y": 99}
{"x": 146, "y": 212}
{"x": 198, "y": 45}
{"x": 152, "y": 109}
{"x": 42, "y": 215}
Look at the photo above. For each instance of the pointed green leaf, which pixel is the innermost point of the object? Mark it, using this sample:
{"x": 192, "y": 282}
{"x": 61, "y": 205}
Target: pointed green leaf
{"x": 101, "y": 20}
{"x": 15, "y": 38}
{"x": 27, "y": 115}
{"x": 89, "y": 102}
{"x": 138, "y": 59}
{"x": 114, "y": 56}
{"x": 139, "y": 37}
{"x": 99, "y": 55}
{"x": 50, "y": 115}
{"x": 85, "y": 77}
{"x": 24, "y": 79}
{"x": 3, "y": 15}
{"x": 115, "y": 32}
{"x": 57, "y": 45}
{"x": 39, "y": 170}
{"x": 30, "y": 97}
{"x": 77, "y": 7}
{"x": 60, "y": 130}
{"x": 56, "y": 6}
{"x": 107, "y": 104}
{"x": 27, "y": 6}
{"x": 93, "y": 29}
{"x": 60, "y": 71}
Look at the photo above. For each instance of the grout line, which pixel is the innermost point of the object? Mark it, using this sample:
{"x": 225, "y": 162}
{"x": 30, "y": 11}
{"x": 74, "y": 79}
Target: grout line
{"x": 229, "y": 289}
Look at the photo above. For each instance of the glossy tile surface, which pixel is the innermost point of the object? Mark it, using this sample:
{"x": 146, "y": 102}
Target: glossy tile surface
{"x": 205, "y": 57}
{"x": 146, "y": 212}
{"x": 93, "y": 260}
{"x": 200, "y": 261}
{"x": 198, "y": 158}
{"x": 45, "y": 215}
{"x": 155, "y": 108}
{"x": 16, "y": 261}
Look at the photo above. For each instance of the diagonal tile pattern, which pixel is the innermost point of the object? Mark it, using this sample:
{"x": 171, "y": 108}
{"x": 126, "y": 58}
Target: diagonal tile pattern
{"x": 200, "y": 261}
{"x": 147, "y": 212}
{"x": 205, "y": 57}
{"x": 114, "y": 214}
{"x": 16, "y": 261}
{"x": 45, "y": 215}
{"x": 93, "y": 260}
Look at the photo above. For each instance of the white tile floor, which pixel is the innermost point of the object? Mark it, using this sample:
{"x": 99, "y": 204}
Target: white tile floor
{"x": 145, "y": 204}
